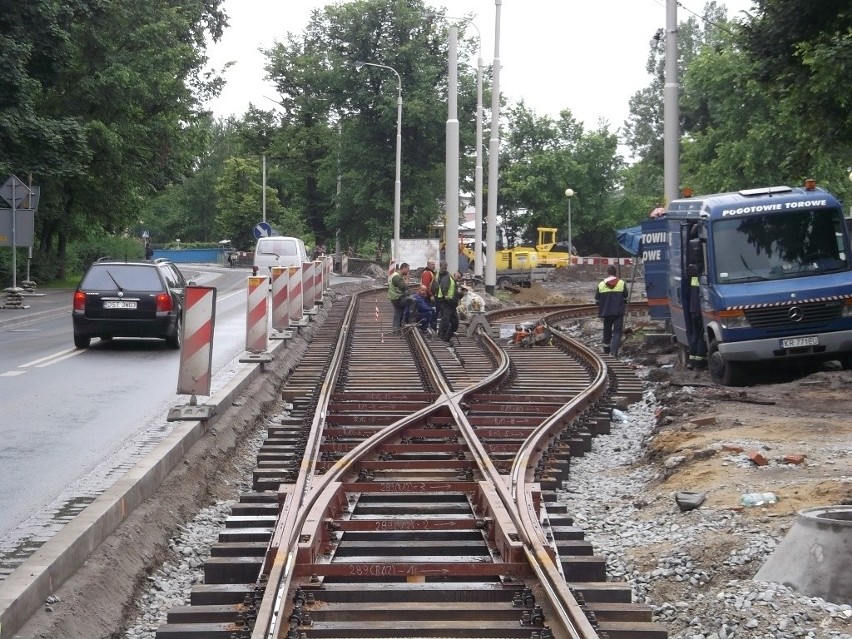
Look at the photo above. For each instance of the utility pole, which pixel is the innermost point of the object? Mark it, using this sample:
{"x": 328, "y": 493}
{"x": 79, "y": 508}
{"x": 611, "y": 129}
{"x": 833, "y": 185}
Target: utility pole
{"x": 451, "y": 190}
{"x": 493, "y": 162}
{"x": 671, "y": 109}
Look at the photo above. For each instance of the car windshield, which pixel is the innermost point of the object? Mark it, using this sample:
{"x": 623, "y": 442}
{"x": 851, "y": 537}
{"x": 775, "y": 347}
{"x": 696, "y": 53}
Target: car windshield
{"x": 109, "y": 277}
{"x": 778, "y": 246}
{"x": 278, "y": 247}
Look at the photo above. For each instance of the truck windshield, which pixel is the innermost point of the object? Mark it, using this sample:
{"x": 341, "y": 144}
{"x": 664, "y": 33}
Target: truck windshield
{"x": 779, "y": 245}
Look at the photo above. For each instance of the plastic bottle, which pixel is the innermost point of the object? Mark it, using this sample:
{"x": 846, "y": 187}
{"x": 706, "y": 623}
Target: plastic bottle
{"x": 758, "y": 499}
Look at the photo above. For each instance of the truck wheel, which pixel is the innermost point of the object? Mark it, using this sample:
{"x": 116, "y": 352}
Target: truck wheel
{"x": 503, "y": 282}
{"x": 722, "y": 372}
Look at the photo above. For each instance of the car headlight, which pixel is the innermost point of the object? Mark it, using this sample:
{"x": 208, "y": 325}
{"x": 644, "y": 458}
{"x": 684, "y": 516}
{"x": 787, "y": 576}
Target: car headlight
{"x": 733, "y": 319}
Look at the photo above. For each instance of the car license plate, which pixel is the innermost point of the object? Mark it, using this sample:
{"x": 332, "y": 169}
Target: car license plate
{"x": 119, "y": 304}
{"x": 798, "y": 342}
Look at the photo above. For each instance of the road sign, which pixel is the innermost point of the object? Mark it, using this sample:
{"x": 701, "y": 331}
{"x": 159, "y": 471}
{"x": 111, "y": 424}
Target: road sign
{"x": 13, "y": 188}
{"x": 145, "y": 235}
{"x": 262, "y": 229}
{"x": 24, "y": 227}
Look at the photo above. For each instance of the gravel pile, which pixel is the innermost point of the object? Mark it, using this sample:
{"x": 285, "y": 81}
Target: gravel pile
{"x": 696, "y": 596}
{"x": 171, "y": 585}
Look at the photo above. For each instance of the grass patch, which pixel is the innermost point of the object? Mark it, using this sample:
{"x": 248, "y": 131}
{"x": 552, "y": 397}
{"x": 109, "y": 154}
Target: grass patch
{"x": 69, "y": 281}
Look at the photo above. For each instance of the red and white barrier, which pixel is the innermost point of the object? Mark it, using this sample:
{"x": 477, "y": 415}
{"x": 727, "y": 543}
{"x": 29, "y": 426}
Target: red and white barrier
{"x": 280, "y": 304}
{"x": 196, "y": 354}
{"x": 294, "y": 295}
{"x": 319, "y": 280}
{"x": 257, "y": 315}
{"x": 329, "y": 270}
{"x": 308, "y": 295}
{"x": 602, "y": 261}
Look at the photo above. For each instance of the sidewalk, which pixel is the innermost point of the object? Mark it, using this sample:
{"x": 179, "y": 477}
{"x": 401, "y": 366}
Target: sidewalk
{"x": 46, "y": 303}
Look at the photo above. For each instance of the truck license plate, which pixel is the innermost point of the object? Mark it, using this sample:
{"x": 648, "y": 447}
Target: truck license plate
{"x": 121, "y": 304}
{"x": 798, "y": 342}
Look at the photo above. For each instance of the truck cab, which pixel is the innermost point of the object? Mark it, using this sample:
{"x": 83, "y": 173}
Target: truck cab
{"x": 551, "y": 253}
{"x": 774, "y": 272}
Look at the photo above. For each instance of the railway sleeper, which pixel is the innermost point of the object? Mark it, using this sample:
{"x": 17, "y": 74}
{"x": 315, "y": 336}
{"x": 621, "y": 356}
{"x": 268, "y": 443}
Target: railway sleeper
{"x": 423, "y": 609}
{"x": 203, "y": 631}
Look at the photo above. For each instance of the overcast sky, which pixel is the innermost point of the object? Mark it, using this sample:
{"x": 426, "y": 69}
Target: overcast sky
{"x": 588, "y": 56}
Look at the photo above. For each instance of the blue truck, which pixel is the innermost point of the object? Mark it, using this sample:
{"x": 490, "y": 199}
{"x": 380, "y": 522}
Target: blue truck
{"x": 774, "y": 276}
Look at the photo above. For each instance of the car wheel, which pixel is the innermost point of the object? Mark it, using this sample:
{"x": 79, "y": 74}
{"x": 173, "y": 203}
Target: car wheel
{"x": 722, "y": 372}
{"x": 81, "y": 341}
{"x": 174, "y": 340}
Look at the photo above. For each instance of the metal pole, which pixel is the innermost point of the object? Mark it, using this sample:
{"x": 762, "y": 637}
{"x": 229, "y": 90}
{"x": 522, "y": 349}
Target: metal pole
{"x": 14, "y": 238}
{"x": 569, "y": 193}
{"x": 339, "y": 189}
{"x": 477, "y": 198}
{"x": 263, "y": 195}
{"x": 493, "y": 161}
{"x": 397, "y": 185}
{"x": 570, "y": 239}
{"x": 671, "y": 110}
{"x": 451, "y": 191}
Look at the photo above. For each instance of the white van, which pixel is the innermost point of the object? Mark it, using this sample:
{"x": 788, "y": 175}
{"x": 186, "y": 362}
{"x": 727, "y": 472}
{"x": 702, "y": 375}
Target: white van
{"x": 278, "y": 251}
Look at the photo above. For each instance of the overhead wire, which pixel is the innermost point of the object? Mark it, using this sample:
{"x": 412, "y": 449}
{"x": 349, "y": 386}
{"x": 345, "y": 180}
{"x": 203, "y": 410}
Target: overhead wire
{"x": 662, "y": 3}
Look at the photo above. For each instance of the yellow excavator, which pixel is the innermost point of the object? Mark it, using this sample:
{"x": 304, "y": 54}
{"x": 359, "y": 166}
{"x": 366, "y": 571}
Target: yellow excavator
{"x": 549, "y": 254}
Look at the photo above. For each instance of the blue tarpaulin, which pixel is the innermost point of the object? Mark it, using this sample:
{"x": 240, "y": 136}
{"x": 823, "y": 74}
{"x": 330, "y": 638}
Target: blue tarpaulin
{"x": 630, "y": 239}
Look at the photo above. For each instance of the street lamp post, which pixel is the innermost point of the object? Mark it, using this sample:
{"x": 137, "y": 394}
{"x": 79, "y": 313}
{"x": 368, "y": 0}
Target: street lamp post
{"x": 569, "y": 193}
{"x": 397, "y": 186}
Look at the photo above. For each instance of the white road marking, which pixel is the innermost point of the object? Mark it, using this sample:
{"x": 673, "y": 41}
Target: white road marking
{"x": 12, "y": 373}
{"x": 52, "y": 359}
{"x": 59, "y": 359}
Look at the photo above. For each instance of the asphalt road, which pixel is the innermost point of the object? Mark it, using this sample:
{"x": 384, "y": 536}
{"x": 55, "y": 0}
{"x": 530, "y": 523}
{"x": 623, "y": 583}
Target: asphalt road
{"x": 72, "y": 421}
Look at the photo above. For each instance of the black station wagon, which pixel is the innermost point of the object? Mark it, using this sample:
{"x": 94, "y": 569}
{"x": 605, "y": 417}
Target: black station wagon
{"x": 129, "y": 299}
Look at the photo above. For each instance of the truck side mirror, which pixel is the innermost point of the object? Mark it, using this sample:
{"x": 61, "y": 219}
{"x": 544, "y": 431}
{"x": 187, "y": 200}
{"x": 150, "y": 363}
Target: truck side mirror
{"x": 695, "y": 255}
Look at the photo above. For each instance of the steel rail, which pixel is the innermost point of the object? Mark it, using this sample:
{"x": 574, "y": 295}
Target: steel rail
{"x": 269, "y": 615}
{"x": 515, "y": 496}
{"x": 520, "y": 474}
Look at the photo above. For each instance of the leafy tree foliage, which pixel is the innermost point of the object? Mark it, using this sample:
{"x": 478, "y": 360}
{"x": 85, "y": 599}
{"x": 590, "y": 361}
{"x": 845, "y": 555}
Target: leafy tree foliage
{"x": 111, "y": 113}
{"x": 544, "y": 157}
{"x": 343, "y": 121}
{"x": 762, "y": 101}
{"x": 34, "y": 40}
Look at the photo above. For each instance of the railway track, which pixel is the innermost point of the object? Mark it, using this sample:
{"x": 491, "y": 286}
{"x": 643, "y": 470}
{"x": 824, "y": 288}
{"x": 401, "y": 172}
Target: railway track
{"x": 408, "y": 489}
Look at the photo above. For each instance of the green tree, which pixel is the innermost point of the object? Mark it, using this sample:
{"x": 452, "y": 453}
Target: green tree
{"x": 341, "y": 120}
{"x": 762, "y": 102}
{"x": 129, "y": 76}
{"x": 239, "y": 199}
{"x": 34, "y": 44}
{"x": 542, "y": 158}
{"x": 643, "y": 130}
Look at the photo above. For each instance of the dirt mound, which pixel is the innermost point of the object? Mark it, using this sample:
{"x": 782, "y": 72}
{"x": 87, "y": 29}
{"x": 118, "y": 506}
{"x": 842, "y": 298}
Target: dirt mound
{"x": 536, "y": 294}
{"x": 366, "y": 268}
